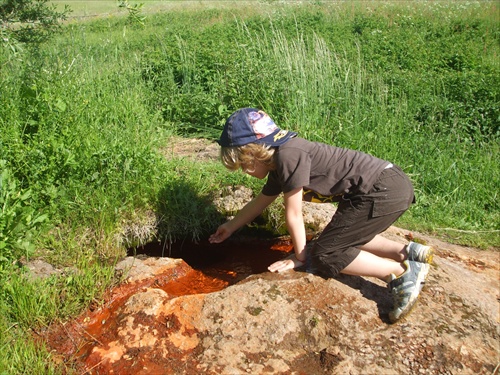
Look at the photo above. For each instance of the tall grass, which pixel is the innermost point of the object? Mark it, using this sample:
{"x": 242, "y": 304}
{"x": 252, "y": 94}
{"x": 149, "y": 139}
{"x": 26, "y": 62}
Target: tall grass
{"x": 319, "y": 91}
{"x": 391, "y": 84}
{"x": 83, "y": 119}
{"x": 333, "y": 98}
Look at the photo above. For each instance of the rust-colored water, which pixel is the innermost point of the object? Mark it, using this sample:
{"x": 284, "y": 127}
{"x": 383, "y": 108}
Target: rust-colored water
{"x": 210, "y": 267}
{"x": 230, "y": 261}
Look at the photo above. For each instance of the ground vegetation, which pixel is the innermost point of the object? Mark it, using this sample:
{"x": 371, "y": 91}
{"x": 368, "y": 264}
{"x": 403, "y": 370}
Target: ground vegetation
{"x": 87, "y": 120}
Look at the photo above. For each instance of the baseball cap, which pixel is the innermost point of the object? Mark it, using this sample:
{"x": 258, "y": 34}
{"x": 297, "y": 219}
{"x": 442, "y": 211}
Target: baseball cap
{"x": 251, "y": 125}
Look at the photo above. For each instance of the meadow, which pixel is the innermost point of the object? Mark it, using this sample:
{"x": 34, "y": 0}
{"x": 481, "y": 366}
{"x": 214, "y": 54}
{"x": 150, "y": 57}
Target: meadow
{"x": 86, "y": 118}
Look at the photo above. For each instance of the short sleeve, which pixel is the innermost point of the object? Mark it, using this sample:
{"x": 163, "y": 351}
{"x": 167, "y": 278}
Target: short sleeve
{"x": 293, "y": 168}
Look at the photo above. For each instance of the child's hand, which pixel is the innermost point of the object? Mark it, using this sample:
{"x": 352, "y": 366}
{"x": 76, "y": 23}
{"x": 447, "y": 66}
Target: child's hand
{"x": 289, "y": 263}
{"x": 221, "y": 234}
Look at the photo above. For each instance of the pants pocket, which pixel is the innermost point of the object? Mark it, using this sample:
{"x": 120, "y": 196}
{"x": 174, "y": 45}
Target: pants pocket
{"x": 382, "y": 207}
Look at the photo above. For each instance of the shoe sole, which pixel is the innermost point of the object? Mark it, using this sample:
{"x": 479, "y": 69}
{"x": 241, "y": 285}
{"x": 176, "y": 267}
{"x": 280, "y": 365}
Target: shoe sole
{"x": 424, "y": 271}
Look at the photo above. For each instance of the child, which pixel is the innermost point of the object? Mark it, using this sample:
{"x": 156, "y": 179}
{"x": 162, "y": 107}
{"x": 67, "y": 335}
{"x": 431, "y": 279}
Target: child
{"x": 371, "y": 194}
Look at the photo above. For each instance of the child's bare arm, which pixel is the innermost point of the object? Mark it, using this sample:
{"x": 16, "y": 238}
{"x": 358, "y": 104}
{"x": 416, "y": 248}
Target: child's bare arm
{"x": 295, "y": 226}
{"x": 295, "y": 222}
{"x": 249, "y": 212}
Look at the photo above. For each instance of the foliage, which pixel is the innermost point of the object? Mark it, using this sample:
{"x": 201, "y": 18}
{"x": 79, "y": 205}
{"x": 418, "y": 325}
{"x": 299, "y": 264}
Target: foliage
{"x": 134, "y": 12}
{"x": 378, "y": 62}
{"x": 29, "y": 21}
{"x": 30, "y": 305}
{"x": 70, "y": 149}
{"x": 84, "y": 118}
{"x": 355, "y": 77}
{"x": 19, "y": 222}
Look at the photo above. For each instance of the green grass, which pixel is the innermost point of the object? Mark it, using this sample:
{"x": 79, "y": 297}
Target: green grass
{"x": 84, "y": 118}
{"x": 29, "y": 306}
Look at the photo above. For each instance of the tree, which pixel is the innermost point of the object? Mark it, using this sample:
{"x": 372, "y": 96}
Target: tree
{"x": 29, "y": 21}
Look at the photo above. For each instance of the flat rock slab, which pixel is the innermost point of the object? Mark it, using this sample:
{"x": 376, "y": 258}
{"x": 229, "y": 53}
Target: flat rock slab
{"x": 293, "y": 323}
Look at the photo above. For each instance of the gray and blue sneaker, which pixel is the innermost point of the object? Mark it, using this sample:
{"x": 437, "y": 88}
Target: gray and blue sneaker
{"x": 406, "y": 288}
{"x": 419, "y": 253}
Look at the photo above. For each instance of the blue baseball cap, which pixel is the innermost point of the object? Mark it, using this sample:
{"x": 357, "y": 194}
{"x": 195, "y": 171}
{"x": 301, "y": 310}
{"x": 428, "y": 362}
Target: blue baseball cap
{"x": 251, "y": 125}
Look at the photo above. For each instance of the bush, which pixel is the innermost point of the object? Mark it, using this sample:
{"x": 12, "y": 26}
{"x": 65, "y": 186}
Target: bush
{"x": 19, "y": 222}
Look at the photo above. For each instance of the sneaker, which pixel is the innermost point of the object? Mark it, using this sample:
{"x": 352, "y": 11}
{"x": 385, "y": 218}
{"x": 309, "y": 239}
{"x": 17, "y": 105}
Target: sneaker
{"x": 406, "y": 287}
{"x": 419, "y": 253}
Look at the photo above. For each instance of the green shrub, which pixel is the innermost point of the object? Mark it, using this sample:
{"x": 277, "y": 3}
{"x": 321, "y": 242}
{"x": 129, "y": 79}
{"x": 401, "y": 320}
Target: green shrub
{"x": 19, "y": 221}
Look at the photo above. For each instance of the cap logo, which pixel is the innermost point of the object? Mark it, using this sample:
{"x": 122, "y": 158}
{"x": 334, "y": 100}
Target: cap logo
{"x": 282, "y": 133}
{"x": 261, "y": 123}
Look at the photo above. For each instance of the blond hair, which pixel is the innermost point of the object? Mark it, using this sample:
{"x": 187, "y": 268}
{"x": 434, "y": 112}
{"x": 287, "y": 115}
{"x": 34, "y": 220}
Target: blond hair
{"x": 246, "y": 155}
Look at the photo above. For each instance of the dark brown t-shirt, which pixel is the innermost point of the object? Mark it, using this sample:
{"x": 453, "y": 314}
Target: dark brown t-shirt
{"x": 325, "y": 172}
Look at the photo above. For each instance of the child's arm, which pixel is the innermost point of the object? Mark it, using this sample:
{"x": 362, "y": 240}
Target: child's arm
{"x": 295, "y": 226}
{"x": 249, "y": 212}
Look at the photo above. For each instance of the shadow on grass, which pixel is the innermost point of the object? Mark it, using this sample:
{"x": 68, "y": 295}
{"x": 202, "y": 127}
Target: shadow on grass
{"x": 185, "y": 214}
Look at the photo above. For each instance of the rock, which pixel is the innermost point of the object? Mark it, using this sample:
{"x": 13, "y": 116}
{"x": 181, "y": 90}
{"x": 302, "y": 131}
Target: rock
{"x": 317, "y": 215}
{"x": 289, "y": 323}
{"x": 141, "y": 269}
{"x": 39, "y": 269}
{"x": 232, "y": 199}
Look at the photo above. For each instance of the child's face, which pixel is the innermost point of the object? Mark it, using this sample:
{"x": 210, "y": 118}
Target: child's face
{"x": 258, "y": 170}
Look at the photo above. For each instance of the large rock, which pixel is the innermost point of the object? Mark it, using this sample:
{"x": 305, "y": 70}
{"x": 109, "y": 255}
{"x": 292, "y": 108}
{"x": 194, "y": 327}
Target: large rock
{"x": 290, "y": 323}
{"x": 232, "y": 199}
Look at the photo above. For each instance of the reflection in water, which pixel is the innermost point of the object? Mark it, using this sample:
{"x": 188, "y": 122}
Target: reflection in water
{"x": 230, "y": 261}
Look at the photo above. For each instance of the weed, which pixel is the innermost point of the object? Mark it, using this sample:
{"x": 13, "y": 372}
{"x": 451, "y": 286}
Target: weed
{"x": 134, "y": 12}
{"x": 19, "y": 222}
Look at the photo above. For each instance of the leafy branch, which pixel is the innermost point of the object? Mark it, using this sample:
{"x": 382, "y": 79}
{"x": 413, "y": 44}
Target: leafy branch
{"x": 134, "y": 12}
{"x": 29, "y": 21}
